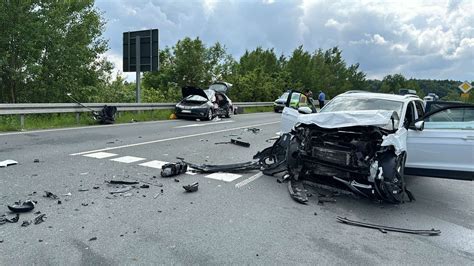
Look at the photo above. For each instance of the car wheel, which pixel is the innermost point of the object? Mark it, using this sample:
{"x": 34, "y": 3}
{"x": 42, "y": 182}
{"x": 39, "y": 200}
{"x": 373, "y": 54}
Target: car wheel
{"x": 210, "y": 115}
{"x": 229, "y": 112}
{"x": 392, "y": 185}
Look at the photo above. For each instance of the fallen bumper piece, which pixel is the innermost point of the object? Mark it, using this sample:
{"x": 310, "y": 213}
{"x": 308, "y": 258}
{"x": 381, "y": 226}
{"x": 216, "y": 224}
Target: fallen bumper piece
{"x": 192, "y": 187}
{"x": 173, "y": 169}
{"x": 383, "y": 228}
{"x": 122, "y": 182}
{"x": 297, "y": 191}
{"x": 238, "y": 167}
{"x": 240, "y": 143}
{"x": 19, "y": 207}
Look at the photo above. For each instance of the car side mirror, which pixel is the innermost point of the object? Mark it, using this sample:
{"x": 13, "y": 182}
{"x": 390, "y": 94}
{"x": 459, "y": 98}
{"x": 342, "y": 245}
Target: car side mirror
{"x": 418, "y": 126}
{"x": 305, "y": 110}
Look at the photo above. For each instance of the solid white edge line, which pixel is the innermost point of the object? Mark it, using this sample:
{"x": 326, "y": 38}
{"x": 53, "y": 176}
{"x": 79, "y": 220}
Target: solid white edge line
{"x": 248, "y": 180}
{"x": 205, "y": 124}
{"x": 174, "y": 138}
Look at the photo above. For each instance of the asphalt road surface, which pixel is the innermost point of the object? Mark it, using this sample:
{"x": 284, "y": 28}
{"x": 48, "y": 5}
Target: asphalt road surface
{"x": 241, "y": 218}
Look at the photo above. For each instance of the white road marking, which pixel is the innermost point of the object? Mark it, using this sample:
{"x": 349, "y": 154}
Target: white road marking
{"x": 154, "y": 164}
{"x": 248, "y": 180}
{"x": 227, "y": 177}
{"x": 100, "y": 155}
{"x": 174, "y": 138}
{"x": 84, "y": 127}
{"x": 206, "y": 124}
{"x": 128, "y": 159}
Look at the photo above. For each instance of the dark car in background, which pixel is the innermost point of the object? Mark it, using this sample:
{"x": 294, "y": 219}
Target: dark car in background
{"x": 205, "y": 104}
{"x": 279, "y": 103}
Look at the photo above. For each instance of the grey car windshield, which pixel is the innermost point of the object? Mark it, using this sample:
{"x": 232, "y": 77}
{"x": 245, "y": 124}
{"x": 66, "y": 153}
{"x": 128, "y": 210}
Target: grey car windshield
{"x": 354, "y": 104}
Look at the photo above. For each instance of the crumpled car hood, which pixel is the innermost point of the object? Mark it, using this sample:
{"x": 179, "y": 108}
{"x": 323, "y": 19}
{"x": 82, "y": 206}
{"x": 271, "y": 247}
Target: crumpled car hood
{"x": 378, "y": 118}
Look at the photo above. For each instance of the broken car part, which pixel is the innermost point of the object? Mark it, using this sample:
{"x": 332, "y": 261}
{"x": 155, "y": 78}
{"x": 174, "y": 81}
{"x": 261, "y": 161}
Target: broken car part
{"x": 173, "y": 169}
{"x": 50, "y": 195}
{"x": 39, "y": 219}
{"x": 253, "y": 130}
{"x": 383, "y": 228}
{"x": 122, "y": 182}
{"x": 7, "y": 163}
{"x": 192, "y": 187}
{"x": 19, "y": 207}
{"x": 297, "y": 191}
{"x": 4, "y": 219}
{"x": 122, "y": 190}
{"x": 240, "y": 143}
{"x": 239, "y": 167}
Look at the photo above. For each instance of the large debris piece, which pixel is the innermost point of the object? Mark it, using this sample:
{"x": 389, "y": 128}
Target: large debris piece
{"x": 212, "y": 168}
{"x": 7, "y": 163}
{"x": 4, "y": 219}
{"x": 173, "y": 169}
{"x": 384, "y": 228}
{"x": 19, "y": 207}
{"x": 191, "y": 187}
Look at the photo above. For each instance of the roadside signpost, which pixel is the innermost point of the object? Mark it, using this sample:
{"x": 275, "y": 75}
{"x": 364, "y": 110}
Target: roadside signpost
{"x": 465, "y": 87}
{"x": 140, "y": 54}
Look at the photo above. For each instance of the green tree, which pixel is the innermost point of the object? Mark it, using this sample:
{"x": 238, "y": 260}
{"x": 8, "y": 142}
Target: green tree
{"x": 50, "y": 48}
{"x": 391, "y": 84}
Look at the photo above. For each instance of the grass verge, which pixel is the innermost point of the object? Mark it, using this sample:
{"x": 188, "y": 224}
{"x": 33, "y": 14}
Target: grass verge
{"x": 46, "y": 121}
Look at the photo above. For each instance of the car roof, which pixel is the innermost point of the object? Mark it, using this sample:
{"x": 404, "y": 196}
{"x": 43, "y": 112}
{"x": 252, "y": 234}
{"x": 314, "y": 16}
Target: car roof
{"x": 376, "y": 95}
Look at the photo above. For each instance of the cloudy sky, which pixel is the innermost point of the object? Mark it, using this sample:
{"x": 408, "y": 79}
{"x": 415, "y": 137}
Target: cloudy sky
{"x": 420, "y": 39}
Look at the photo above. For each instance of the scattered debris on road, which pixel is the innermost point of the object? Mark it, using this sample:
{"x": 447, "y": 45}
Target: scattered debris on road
{"x": 240, "y": 143}
{"x": 83, "y": 189}
{"x": 25, "y": 223}
{"x": 7, "y": 163}
{"x": 19, "y": 207}
{"x": 36, "y": 161}
{"x": 253, "y": 130}
{"x": 191, "y": 187}
{"x": 238, "y": 167}
{"x": 93, "y": 238}
{"x": 39, "y": 219}
{"x": 173, "y": 169}
{"x": 297, "y": 191}
{"x": 50, "y": 195}
{"x": 384, "y": 229}
{"x": 122, "y": 190}
{"x": 145, "y": 186}
{"x": 122, "y": 182}
{"x": 4, "y": 219}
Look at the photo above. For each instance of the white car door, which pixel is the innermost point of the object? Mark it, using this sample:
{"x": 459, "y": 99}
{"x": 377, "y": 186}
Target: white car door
{"x": 445, "y": 147}
{"x": 290, "y": 113}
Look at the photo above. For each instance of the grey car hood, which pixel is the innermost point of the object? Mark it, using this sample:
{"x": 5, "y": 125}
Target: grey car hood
{"x": 379, "y": 118}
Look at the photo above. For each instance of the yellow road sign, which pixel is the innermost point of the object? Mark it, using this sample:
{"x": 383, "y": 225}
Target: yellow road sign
{"x": 465, "y": 87}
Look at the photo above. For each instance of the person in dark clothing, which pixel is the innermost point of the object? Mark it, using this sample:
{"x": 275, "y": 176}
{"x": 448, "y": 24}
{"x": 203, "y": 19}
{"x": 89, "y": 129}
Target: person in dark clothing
{"x": 321, "y": 99}
{"x": 309, "y": 94}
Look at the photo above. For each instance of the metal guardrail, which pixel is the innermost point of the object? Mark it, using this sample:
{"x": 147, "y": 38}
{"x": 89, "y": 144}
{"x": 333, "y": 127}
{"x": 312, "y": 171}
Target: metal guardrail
{"x": 23, "y": 109}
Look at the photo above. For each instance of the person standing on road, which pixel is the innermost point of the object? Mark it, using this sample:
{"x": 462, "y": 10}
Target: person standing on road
{"x": 321, "y": 99}
{"x": 309, "y": 95}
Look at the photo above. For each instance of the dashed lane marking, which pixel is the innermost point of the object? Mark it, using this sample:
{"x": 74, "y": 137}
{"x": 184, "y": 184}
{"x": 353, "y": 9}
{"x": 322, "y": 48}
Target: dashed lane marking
{"x": 205, "y": 124}
{"x": 248, "y": 180}
{"x": 100, "y": 155}
{"x": 226, "y": 177}
{"x": 128, "y": 159}
{"x": 174, "y": 138}
{"x": 154, "y": 164}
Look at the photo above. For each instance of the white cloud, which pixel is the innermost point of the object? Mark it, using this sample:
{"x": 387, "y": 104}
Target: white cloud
{"x": 419, "y": 38}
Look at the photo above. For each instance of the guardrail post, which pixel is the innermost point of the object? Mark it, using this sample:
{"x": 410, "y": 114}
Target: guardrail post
{"x": 78, "y": 118}
{"x": 22, "y": 121}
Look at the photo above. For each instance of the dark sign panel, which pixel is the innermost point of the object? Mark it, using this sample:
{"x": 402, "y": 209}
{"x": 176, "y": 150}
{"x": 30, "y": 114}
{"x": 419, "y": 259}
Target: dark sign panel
{"x": 148, "y": 50}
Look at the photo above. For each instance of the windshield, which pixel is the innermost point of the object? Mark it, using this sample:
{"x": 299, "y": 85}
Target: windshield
{"x": 355, "y": 104}
{"x": 284, "y": 96}
{"x": 196, "y": 98}
{"x": 218, "y": 87}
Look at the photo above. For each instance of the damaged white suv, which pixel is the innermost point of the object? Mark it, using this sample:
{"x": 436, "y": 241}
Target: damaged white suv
{"x": 366, "y": 142}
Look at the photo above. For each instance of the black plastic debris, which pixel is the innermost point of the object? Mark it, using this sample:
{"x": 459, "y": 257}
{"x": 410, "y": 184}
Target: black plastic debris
{"x": 192, "y": 187}
{"x": 36, "y": 160}
{"x": 83, "y": 189}
{"x": 93, "y": 238}
{"x": 238, "y": 167}
{"x": 122, "y": 182}
{"x": 144, "y": 186}
{"x": 240, "y": 143}
{"x": 25, "y": 223}
{"x": 254, "y": 130}
{"x": 50, "y": 195}
{"x": 297, "y": 191}
{"x": 39, "y": 219}
{"x": 173, "y": 169}
{"x": 383, "y": 228}
{"x": 22, "y": 207}
{"x": 176, "y": 180}
{"x": 4, "y": 219}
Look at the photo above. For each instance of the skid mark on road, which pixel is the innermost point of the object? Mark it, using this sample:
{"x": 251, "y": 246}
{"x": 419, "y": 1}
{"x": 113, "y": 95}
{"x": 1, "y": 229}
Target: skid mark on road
{"x": 173, "y": 138}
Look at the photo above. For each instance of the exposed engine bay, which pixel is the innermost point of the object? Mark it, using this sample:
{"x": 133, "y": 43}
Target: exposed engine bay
{"x": 351, "y": 158}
